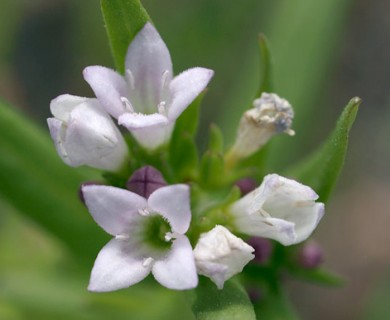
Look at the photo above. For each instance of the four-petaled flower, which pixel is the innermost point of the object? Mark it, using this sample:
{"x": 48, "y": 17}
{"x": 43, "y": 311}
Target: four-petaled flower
{"x": 148, "y": 237}
{"x": 281, "y": 209}
{"x": 147, "y": 100}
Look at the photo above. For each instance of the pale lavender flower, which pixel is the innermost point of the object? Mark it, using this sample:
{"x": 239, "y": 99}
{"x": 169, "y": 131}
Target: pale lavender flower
{"x": 281, "y": 209}
{"x": 147, "y": 100}
{"x": 220, "y": 255}
{"x": 148, "y": 237}
{"x": 84, "y": 134}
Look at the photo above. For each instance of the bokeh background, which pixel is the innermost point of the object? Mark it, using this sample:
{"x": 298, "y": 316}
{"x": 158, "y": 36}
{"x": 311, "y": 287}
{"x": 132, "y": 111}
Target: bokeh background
{"x": 324, "y": 53}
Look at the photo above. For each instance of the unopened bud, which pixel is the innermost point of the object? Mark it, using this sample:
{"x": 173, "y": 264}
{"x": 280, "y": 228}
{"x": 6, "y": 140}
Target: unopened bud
{"x": 310, "y": 255}
{"x": 246, "y": 185}
{"x": 145, "y": 181}
{"x": 263, "y": 249}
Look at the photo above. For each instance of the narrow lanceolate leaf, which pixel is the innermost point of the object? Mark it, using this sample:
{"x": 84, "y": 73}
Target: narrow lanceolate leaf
{"x": 36, "y": 182}
{"x": 321, "y": 170}
{"x": 123, "y": 19}
{"x": 266, "y": 76}
{"x": 319, "y": 276}
{"x": 230, "y": 303}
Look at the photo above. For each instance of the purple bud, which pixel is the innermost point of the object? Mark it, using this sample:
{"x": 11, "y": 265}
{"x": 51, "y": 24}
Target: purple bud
{"x": 86, "y": 183}
{"x": 310, "y": 255}
{"x": 263, "y": 249}
{"x": 246, "y": 185}
{"x": 145, "y": 181}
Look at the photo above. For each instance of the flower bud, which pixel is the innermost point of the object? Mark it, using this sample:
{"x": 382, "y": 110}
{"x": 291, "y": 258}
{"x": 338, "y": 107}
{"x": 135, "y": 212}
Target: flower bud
{"x": 220, "y": 255}
{"x": 310, "y": 255}
{"x": 263, "y": 249}
{"x": 246, "y": 185}
{"x": 270, "y": 115}
{"x": 84, "y": 134}
{"x": 145, "y": 181}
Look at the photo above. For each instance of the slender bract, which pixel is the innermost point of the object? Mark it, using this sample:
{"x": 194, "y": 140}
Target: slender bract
{"x": 321, "y": 169}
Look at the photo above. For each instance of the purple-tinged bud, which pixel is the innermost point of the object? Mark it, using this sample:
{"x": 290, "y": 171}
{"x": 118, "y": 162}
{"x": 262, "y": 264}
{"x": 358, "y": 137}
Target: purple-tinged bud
{"x": 86, "y": 183}
{"x": 263, "y": 249}
{"x": 310, "y": 255}
{"x": 246, "y": 185}
{"x": 145, "y": 181}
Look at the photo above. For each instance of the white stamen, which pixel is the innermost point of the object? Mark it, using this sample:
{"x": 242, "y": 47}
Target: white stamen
{"x": 290, "y": 132}
{"x": 170, "y": 235}
{"x": 122, "y": 237}
{"x": 127, "y": 105}
{"x": 161, "y": 108}
{"x": 144, "y": 212}
{"x": 147, "y": 262}
{"x": 130, "y": 79}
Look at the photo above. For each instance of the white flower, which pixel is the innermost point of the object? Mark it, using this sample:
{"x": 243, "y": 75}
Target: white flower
{"x": 148, "y": 237}
{"x": 220, "y": 255}
{"x": 280, "y": 209}
{"x": 270, "y": 115}
{"x": 147, "y": 100}
{"x": 84, "y": 134}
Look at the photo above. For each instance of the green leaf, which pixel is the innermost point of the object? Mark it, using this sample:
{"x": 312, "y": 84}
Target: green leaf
{"x": 212, "y": 166}
{"x": 36, "y": 182}
{"x": 321, "y": 169}
{"x": 266, "y": 74}
{"x": 216, "y": 139}
{"x": 230, "y": 303}
{"x": 183, "y": 154}
{"x": 189, "y": 119}
{"x": 212, "y": 170}
{"x": 318, "y": 275}
{"x": 123, "y": 19}
{"x": 183, "y": 157}
{"x": 275, "y": 305}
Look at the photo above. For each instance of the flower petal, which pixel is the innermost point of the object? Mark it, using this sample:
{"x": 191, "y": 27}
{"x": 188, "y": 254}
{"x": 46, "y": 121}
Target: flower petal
{"x": 177, "y": 270}
{"x": 150, "y": 132}
{"x": 173, "y": 203}
{"x": 150, "y": 64}
{"x": 185, "y": 87}
{"x": 306, "y": 220}
{"x": 117, "y": 266}
{"x": 138, "y": 121}
{"x": 109, "y": 86}
{"x": 57, "y": 132}
{"x": 273, "y": 228}
{"x": 63, "y": 105}
{"x": 114, "y": 209}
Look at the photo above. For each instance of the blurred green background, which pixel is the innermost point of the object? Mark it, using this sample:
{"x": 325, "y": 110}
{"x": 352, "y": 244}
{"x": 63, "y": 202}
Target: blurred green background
{"x": 325, "y": 52}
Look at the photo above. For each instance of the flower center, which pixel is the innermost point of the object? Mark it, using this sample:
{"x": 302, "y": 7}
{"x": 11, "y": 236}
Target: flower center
{"x": 155, "y": 230}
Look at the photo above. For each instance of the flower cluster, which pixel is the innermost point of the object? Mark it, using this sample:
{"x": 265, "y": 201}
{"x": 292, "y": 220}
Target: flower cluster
{"x": 155, "y": 226}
